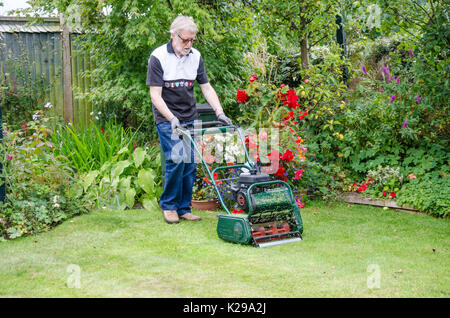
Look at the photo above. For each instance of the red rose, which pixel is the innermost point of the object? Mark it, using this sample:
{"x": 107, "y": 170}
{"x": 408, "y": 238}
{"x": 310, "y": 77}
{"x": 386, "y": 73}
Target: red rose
{"x": 287, "y": 156}
{"x": 304, "y": 114}
{"x": 384, "y": 193}
{"x": 291, "y": 99}
{"x": 253, "y": 78}
{"x": 242, "y": 96}
{"x": 280, "y": 173}
{"x": 392, "y": 194}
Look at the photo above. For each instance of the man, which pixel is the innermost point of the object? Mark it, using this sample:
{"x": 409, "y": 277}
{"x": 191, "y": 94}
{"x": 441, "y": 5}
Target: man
{"x": 172, "y": 70}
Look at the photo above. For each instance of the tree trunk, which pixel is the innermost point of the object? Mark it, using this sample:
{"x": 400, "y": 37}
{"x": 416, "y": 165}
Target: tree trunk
{"x": 304, "y": 52}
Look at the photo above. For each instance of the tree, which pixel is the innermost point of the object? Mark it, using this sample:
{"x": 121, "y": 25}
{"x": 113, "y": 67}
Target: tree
{"x": 306, "y": 23}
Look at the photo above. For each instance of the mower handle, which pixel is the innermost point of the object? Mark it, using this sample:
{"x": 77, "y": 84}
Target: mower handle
{"x": 193, "y": 129}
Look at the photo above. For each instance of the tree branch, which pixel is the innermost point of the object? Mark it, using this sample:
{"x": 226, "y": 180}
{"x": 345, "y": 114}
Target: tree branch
{"x": 170, "y": 5}
{"x": 324, "y": 37}
{"x": 426, "y": 12}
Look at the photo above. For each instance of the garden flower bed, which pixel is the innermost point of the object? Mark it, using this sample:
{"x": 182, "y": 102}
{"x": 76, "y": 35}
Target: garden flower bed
{"x": 354, "y": 197}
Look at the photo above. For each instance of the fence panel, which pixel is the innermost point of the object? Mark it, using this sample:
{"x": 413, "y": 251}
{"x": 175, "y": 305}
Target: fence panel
{"x": 39, "y": 54}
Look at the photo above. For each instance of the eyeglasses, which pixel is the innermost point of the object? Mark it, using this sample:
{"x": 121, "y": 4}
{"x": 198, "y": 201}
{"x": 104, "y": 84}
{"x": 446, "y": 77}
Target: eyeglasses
{"x": 186, "y": 41}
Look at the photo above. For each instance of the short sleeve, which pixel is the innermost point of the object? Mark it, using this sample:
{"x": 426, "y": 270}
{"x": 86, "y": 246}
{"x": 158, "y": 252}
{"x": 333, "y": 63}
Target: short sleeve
{"x": 202, "y": 78}
{"x": 154, "y": 72}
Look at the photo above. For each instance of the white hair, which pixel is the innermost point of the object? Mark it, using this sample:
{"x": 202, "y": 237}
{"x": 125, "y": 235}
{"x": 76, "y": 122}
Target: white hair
{"x": 182, "y": 22}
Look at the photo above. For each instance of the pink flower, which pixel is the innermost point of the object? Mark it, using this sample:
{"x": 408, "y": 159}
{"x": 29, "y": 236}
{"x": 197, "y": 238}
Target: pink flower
{"x": 363, "y": 68}
{"x": 263, "y": 135}
{"x": 9, "y": 157}
{"x": 392, "y": 99}
{"x": 418, "y": 99}
{"x": 410, "y": 52}
{"x": 397, "y": 80}
{"x": 381, "y": 90}
{"x": 404, "y": 124}
{"x": 299, "y": 174}
{"x": 300, "y": 204}
{"x": 384, "y": 70}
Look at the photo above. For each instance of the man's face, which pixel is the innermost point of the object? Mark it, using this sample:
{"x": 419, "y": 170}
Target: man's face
{"x": 182, "y": 42}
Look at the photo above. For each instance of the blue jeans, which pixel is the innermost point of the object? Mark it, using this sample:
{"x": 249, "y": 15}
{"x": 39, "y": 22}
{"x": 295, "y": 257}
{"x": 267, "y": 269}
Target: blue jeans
{"x": 179, "y": 172}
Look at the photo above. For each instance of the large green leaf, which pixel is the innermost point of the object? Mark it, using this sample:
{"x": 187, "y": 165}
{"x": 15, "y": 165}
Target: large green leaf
{"x": 150, "y": 204}
{"x": 130, "y": 194}
{"x": 119, "y": 168}
{"x": 146, "y": 181}
{"x": 138, "y": 156}
{"x": 88, "y": 179}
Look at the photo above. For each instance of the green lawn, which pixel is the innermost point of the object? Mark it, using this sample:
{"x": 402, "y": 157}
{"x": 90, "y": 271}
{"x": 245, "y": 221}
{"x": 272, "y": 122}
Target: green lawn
{"x": 347, "y": 251}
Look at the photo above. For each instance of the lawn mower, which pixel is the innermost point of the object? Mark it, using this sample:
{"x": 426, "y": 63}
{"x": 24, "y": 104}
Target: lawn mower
{"x": 259, "y": 211}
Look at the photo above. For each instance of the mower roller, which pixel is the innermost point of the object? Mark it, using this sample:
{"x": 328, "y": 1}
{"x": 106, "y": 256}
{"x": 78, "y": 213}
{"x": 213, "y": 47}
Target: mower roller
{"x": 267, "y": 213}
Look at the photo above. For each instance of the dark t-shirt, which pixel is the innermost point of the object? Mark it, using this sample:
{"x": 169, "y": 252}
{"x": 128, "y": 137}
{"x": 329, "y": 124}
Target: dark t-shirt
{"x": 176, "y": 76}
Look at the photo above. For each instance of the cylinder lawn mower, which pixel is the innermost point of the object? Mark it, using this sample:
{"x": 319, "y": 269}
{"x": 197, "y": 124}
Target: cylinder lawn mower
{"x": 259, "y": 211}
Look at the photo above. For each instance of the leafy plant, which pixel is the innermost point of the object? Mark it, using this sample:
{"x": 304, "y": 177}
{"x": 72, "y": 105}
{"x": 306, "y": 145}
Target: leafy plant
{"x": 41, "y": 186}
{"x": 121, "y": 183}
{"x": 203, "y": 190}
{"x": 384, "y": 180}
{"x": 88, "y": 148}
{"x": 430, "y": 195}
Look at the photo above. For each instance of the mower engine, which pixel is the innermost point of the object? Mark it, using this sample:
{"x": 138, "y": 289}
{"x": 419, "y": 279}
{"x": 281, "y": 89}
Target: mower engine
{"x": 239, "y": 191}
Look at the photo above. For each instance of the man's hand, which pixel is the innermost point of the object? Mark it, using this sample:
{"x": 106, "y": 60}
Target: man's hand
{"x": 175, "y": 123}
{"x": 224, "y": 119}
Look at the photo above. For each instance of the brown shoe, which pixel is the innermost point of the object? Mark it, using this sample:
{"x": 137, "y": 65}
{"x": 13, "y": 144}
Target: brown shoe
{"x": 190, "y": 217}
{"x": 171, "y": 216}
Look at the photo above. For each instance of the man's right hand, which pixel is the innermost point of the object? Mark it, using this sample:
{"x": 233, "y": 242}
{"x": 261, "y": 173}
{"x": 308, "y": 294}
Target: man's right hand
{"x": 175, "y": 123}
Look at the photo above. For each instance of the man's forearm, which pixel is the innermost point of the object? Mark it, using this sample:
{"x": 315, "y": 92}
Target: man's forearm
{"x": 160, "y": 104}
{"x": 211, "y": 97}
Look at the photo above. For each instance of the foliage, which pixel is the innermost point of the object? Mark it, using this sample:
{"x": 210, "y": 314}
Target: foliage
{"x": 20, "y": 92}
{"x": 41, "y": 186}
{"x": 428, "y": 194}
{"x": 121, "y": 183}
{"x": 309, "y": 116}
{"x": 88, "y": 148}
{"x": 307, "y": 23}
{"x": 383, "y": 182}
{"x": 203, "y": 190}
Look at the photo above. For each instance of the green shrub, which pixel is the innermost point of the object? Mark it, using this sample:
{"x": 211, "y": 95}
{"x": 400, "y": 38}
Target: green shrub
{"x": 120, "y": 184}
{"x": 430, "y": 195}
{"x": 41, "y": 186}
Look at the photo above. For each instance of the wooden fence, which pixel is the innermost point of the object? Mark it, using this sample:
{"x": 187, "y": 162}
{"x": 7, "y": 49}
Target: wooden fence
{"x": 48, "y": 51}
